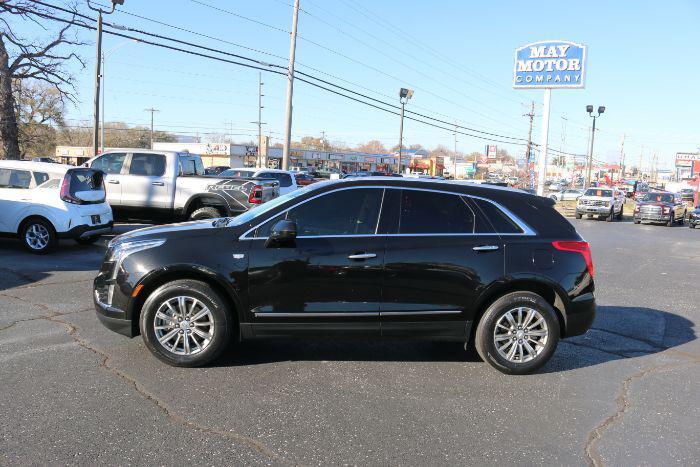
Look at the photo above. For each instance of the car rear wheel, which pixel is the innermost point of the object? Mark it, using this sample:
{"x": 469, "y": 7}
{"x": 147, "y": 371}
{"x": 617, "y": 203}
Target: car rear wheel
{"x": 671, "y": 221}
{"x": 38, "y": 236}
{"x": 186, "y": 323}
{"x": 518, "y": 333}
{"x": 206, "y": 212}
{"x": 578, "y": 216}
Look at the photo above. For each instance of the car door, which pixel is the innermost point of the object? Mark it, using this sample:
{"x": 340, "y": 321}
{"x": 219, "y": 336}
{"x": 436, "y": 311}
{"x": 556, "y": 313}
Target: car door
{"x": 329, "y": 281}
{"x": 15, "y": 195}
{"x": 440, "y": 258}
{"x": 145, "y": 188}
{"x": 111, "y": 164}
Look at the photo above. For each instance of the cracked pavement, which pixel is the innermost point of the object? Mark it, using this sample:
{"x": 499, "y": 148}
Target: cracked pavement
{"x": 625, "y": 393}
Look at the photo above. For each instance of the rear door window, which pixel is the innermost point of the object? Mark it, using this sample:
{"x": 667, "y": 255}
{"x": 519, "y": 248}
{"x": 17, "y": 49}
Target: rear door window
{"x": 12, "y": 178}
{"x": 40, "y": 177}
{"x": 500, "y": 221}
{"x": 110, "y": 163}
{"x": 150, "y": 165}
{"x": 427, "y": 212}
{"x": 284, "y": 179}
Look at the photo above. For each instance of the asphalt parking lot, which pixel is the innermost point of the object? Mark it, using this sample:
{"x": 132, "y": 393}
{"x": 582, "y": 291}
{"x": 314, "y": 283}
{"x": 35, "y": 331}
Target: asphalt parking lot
{"x": 623, "y": 394}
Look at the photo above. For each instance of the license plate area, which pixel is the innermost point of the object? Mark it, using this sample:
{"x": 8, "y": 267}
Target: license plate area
{"x": 95, "y": 218}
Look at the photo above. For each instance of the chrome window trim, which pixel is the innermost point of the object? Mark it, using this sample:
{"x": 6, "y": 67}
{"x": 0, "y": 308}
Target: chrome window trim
{"x": 526, "y": 229}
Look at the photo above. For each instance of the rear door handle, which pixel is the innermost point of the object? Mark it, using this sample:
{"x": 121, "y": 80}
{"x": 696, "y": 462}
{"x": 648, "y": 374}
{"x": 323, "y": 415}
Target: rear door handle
{"x": 158, "y": 183}
{"x": 362, "y": 256}
{"x": 485, "y": 248}
{"x": 113, "y": 182}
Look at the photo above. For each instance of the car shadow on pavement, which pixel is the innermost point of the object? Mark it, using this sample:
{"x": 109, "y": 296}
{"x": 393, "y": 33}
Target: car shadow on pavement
{"x": 19, "y": 268}
{"x": 617, "y": 333}
{"x": 621, "y": 332}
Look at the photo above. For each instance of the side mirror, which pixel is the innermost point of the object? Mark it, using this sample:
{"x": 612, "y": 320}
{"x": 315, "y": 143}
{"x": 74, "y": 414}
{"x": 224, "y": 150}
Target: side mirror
{"x": 282, "y": 234}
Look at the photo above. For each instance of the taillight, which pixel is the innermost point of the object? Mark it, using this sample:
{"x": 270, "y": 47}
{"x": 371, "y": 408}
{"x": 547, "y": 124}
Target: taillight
{"x": 65, "y": 191}
{"x": 577, "y": 247}
{"x": 256, "y": 195}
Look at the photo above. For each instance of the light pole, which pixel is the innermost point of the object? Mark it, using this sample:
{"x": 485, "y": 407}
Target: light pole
{"x": 589, "y": 109}
{"x": 102, "y": 113}
{"x": 404, "y": 95}
{"x": 98, "y": 61}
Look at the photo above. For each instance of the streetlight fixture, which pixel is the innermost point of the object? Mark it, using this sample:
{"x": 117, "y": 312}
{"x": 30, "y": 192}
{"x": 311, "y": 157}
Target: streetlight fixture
{"x": 589, "y": 109}
{"x": 404, "y": 95}
{"x": 98, "y": 61}
{"x": 105, "y": 56}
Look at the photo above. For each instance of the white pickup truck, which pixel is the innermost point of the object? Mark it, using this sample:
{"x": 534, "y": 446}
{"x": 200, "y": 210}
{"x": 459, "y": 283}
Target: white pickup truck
{"x": 607, "y": 203}
{"x": 168, "y": 185}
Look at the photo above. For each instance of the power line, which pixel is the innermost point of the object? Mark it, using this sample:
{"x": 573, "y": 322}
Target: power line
{"x": 267, "y": 68}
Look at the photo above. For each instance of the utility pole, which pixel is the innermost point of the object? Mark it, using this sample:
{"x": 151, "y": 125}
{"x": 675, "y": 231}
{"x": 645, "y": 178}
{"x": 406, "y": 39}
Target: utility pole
{"x": 98, "y": 72}
{"x": 544, "y": 141}
{"x": 590, "y": 156}
{"x": 152, "y": 110}
{"x": 260, "y": 123}
{"x": 562, "y": 157}
{"x": 641, "y": 157}
{"x": 529, "y": 133}
{"x": 290, "y": 89}
{"x": 622, "y": 157}
{"x": 323, "y": 139}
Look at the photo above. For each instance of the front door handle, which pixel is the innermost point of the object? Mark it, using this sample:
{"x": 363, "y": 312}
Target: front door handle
{"x": 362, "y": 256}
{"x": 113, "y": 182}
{"x": 158, "y": 183}
{"x": 485, "y": 248}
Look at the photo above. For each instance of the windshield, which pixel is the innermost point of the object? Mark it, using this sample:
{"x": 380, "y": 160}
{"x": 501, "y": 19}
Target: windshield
{"x": 270, "y": 205}
{"x": 237, "y": 173}
{"x": 658, "y": 198}
{"x": 597, "y": 192}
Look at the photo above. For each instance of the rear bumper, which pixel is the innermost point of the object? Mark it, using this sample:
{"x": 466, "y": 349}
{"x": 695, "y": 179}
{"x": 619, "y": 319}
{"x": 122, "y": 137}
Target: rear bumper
{"x": 83, "y": 231}
{"x": 580, "y": 315}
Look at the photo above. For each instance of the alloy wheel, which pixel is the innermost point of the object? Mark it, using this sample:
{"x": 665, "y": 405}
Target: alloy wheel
{"x": 37, "y": 237}
{"x": 184, "y": 325}
{"x": 520, "y": 334}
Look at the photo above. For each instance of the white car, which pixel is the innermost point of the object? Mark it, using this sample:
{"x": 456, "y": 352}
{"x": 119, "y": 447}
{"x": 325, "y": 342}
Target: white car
{"x": 287, "y": 180}
{"x": 41, "y": 202}
{"x": 604, "y": 202}
{"x": 566, "y": 195}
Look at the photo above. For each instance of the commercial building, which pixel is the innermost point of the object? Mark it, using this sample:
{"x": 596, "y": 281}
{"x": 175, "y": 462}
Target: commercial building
{"x": 687, "y": 165}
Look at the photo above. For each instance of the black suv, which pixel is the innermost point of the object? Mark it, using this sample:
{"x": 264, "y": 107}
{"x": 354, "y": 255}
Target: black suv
{"x": 371, "y": 257}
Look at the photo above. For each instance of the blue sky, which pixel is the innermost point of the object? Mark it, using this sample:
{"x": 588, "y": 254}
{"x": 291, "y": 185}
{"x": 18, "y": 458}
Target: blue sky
{"x": 458, "y": 56}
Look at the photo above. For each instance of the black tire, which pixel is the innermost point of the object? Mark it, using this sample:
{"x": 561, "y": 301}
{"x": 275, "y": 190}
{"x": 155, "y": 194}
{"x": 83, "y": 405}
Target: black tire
{"x": 637, "y": 222}
{"x": 222, "y": 328}
{"x": 205, "y": 212}
{"x": 87, "y": 240}
{"x": 681, "y": 221}
{"x": 38, "y": 225}
{"x": 485, "y": 340}
{"x": 671, "y": 221}
{"x": 578, "y": 216}
{"x": 622, "y": 210}
{"x": 611, "y": 216}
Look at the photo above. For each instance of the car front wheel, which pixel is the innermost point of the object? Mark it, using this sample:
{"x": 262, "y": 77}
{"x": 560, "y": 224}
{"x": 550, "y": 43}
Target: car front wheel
{"x": 186, "y": 323}
{"x": 518, "y": 333}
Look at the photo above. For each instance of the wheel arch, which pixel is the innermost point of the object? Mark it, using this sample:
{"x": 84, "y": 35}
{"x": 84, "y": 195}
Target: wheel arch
{"x": 159, "y": 277}
{"x": 29, "y": 217}
{"x": 543, "y": 287}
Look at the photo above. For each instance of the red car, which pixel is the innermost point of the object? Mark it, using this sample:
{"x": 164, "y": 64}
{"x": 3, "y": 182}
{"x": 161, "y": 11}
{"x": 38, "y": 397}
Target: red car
{"x": 304, "y": 179}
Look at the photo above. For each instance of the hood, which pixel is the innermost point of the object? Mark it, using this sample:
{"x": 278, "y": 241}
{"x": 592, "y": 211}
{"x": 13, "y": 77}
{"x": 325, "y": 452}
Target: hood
{"x": 203, "y": 227}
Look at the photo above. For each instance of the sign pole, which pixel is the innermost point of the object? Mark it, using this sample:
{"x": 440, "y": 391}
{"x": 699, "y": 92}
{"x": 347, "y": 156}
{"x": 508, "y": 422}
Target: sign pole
{"x": 542, "y": 162}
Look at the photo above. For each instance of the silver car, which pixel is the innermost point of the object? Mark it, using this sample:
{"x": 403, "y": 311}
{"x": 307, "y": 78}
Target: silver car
{"x": 566, "y": 195}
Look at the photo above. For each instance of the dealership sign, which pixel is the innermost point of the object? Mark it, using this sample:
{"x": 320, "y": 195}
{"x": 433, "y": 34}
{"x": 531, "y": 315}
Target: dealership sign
{"x": 550, "y": 64}
{"x": 687, "y": 156}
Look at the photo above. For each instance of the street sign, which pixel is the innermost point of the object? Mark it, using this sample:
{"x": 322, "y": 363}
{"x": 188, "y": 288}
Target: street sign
{"x": 550, "y": 64}
{"x": 491, "y": 152}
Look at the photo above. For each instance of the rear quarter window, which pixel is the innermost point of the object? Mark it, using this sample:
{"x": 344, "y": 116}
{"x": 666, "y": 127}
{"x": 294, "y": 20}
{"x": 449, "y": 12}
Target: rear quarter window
{"x": 500, "y": 221}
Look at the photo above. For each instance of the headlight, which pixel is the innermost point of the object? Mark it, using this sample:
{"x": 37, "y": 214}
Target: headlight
{"x": 123, "y": 249}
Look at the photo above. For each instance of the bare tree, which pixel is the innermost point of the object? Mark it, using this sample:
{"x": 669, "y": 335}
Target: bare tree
{"x": 26, "y": 59}
{"x": 372, "y": 146}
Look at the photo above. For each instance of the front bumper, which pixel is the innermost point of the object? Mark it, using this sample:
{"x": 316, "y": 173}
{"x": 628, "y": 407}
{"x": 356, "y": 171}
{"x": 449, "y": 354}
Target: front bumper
{"x": 652, "y": 217}
{"x": 111, "y": 317}
{"x": 596, "y": 210}
{"x": 580, "y": 315}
